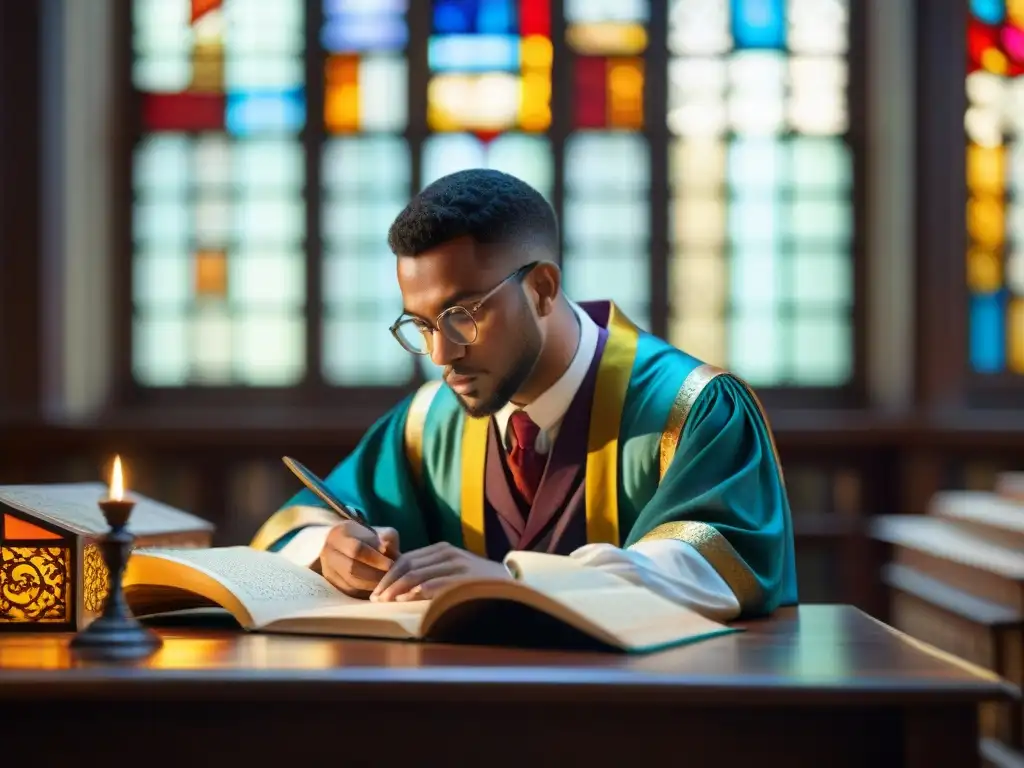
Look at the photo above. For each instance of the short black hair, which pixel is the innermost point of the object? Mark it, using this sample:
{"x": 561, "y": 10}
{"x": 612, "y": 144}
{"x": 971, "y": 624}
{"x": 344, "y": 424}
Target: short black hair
{"x": 492, "y": 207}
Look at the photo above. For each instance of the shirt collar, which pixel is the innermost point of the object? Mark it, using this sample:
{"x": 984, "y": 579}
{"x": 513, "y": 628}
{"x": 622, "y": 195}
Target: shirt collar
{"x": 548, "y": 410}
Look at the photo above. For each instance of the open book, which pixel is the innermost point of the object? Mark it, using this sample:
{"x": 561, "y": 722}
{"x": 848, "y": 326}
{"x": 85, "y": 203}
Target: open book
{"x": 554, "y": 602}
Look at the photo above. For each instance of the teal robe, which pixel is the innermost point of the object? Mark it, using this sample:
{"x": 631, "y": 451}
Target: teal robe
{"x": 676, "y": 449}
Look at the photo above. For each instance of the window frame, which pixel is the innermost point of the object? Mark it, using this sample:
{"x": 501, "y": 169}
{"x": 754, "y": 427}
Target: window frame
{"x": 314, "y": 392}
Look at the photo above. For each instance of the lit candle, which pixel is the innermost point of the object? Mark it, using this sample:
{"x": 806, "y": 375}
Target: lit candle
{"x": 117, "y": 481}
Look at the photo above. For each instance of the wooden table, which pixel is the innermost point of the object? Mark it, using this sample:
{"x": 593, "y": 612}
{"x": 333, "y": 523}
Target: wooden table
{"x": 818, "y": 685}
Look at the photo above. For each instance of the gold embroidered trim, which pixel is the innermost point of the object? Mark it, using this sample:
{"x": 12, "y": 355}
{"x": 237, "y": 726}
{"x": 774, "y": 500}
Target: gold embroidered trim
{"x": 717, "y": 550}
{"x": 288, "y": 519}
{"x": 415, "y": 421}
{"x": 688, "y": 393}
{"x": 602, "y": 473}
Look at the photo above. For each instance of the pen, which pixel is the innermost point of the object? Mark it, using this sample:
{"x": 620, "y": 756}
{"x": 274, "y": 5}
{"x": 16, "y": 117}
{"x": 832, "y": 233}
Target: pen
{"x": 317, "y": 486}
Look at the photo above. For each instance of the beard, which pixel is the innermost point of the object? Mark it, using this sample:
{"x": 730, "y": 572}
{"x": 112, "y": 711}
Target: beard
{"x": 521, "y": 370}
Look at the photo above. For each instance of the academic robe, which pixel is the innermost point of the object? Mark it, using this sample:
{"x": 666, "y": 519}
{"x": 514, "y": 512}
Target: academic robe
{"x": 674, "y": 448}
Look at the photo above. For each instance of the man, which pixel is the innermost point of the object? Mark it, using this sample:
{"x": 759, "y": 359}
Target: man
{"x": 559, "y": 428}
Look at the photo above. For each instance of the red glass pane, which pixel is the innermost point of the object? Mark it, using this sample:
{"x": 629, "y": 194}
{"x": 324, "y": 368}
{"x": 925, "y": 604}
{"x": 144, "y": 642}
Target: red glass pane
{"x": 202, "y": 7}
{"x": 980, "y": 37}
{"x": 486, "y": 137}
{"x": 591, "y": 92}
{"x": 535, "y": 17}
{"x": 183, "y": 111}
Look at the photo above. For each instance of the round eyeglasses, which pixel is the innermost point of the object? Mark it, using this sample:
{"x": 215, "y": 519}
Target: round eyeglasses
{"x": 457, "y": 324}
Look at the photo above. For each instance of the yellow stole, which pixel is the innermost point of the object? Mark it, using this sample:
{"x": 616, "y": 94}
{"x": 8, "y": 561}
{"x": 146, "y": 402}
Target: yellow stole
{"x": 602, "y": 473}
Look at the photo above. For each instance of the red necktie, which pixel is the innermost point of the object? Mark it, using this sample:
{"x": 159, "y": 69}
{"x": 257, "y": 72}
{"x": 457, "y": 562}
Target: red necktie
{"x": 526, "y": 463}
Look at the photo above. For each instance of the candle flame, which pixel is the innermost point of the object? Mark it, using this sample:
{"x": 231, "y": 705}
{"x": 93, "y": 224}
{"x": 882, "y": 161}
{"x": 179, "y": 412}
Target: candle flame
{"x": 117, "y": 481}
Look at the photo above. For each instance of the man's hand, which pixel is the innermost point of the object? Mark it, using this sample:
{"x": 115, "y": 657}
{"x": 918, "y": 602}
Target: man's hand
{"x": 421, "y": 574}
{"x": 354, "y": 560}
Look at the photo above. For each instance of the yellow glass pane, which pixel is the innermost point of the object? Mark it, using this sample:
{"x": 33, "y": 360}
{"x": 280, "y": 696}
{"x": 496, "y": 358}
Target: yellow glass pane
{"x": 16, "y": 529}
{"x": 702, "y": 337}
{"x": 535, "y": 102}
{"x": 626, "y": 93}
{"x": 208, "y": 67}
{"x": 698, "y": 166}
{"x": 986, "y": 221}
{"x": 986, "y": 169}
{"x": 607, "y": 38}
{"x": 341, "y": 97}
{"x": 984, "y": 270}
{"x": 212, "y": 273}
{"x": 1015, "y": 10}
{"x": 487, "y": 102}
{"x": 698, "y": 222}
{"x": 994, "y": 61}
{"x": 536, "y": 55}
{"x": 1015, "y": 336}
{"x": 35, "y": 585}
{"x": 536, "y": 52}
{"x": 698, "y": 284}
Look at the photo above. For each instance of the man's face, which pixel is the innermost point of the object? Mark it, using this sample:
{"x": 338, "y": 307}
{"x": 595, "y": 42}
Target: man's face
{"x": 487, "y": 374}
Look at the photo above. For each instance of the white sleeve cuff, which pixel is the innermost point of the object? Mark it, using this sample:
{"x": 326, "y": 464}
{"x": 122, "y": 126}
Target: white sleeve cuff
{"x": 670, "y": 568}
{"x": 305, "y": 546}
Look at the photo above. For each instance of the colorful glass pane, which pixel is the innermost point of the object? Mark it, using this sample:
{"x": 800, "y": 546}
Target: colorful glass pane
{"x": 994, "y": 125}
{"x": 606, "y": 219}
{"x": 219, "y": 221}
{"x": 760, "y": 223}
{"x": 490, "y": 66}
{"x": 366, "y": 71}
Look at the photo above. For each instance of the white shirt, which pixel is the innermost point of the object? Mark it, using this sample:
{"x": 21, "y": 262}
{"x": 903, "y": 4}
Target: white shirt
{"x": 668, "y": 567}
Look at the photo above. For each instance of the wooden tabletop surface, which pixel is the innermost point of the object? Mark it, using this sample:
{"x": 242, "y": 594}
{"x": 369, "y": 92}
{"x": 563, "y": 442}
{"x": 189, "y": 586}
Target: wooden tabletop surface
{"x": 816, "y": 653}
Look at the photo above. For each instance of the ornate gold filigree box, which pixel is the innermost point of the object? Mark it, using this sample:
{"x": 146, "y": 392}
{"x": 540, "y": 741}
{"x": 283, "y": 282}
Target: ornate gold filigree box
{"x": 52, "y": 577}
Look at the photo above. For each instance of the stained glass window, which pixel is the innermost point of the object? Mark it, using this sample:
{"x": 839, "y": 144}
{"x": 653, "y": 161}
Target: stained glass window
{"x": 218, "y": 217}
{"x": 760, "y": 272}
{"x": 994, "y": 125}
{"x": 606, "y": 219}
{"x": 366, "y": 182}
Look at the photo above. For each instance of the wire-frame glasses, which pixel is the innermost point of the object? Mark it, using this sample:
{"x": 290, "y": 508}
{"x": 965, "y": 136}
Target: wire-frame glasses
{"x": 457, "y": 324}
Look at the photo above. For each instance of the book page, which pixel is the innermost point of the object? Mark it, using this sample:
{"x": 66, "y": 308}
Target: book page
{"x": 634, "y": 617}
{"x": 553, "y": 574}
{"x": 267, "y": 584}
{"x": 74, "y": 506}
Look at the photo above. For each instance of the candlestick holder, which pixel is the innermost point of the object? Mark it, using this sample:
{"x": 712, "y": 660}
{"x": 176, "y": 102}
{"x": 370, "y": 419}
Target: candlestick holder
{"x": 116, "y": 634}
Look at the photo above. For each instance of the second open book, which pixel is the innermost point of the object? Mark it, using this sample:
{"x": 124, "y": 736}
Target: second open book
{"x": 553, "y": 602}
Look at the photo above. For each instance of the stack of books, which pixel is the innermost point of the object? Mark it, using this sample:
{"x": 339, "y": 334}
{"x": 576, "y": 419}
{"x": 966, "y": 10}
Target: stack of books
{"x": 956, "y": 581}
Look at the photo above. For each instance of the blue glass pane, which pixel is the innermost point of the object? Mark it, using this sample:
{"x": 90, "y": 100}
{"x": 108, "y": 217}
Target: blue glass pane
{"x": 342, "y": 34}
{"x": 988, "y": 333}
{"x": 454, "y": 16}
{"x": 474, "y": 53}
{"x": 989, "y": 11}
{"x": 759, "y": 23}
{"x": 496, "y": 17}
{"x": 365, "y": 7}
{"x": 250, "y": 112}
